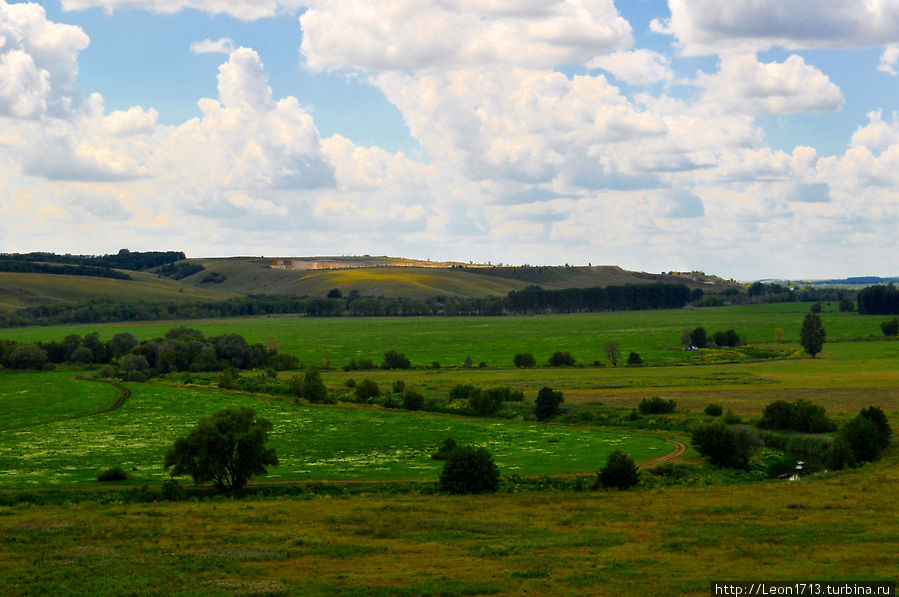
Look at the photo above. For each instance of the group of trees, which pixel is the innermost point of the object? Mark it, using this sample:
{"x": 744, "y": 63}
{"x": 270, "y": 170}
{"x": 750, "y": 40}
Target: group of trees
{"x": 124, "y": 259}
{"x": 879, "y": 300}
{"x": 182, "y": 349}
{"x": 631, "y": 297}
{"x": 699, "y": 338}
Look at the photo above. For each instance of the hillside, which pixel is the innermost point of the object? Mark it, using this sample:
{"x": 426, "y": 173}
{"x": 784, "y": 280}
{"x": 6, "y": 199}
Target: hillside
{"x": 392, "y": 277}
{"x": 18, "y": 291}
{"x": 389, "y": 277}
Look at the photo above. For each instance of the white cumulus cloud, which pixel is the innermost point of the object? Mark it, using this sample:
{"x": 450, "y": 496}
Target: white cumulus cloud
{"x": 422, "y": 34}
{"x": 741, "y": 26}
{"x": 223, "y": 45}
{"x": 636, "y": 67}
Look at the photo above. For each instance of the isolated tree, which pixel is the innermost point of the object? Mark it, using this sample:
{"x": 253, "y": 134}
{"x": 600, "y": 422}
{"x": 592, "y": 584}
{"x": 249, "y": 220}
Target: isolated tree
{"x": 366, "y": 390}
{"x": 27, "y": 356}
{"x": 227, "y": 448}
{"x": 469, "y": 470}
{"x": 613, "y": 352}
{"x": 812, "y": 335}
{"x": 335, "y": 293}
{"x": 619, "y": 471}
{"x": 634, "y": 358}
{"x": 725, "y": 446}
{"x": 890, "y": 327}
{"x": 548, "y": 402}
{"x": 524, "y": 360}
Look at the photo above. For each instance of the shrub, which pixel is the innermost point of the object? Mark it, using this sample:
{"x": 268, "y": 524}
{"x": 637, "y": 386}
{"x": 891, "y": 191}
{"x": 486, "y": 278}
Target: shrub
{"x": 714, "y": 410}
{"x": 412, "y": 400}
{"x": 801, "y": 415}
{"x": 366, "y": 390}
{"x": 634, "y": 359}
{"x": 27, "y": 356}
{"x": 461, "y": 391}
{"x": 815, "y": 308}
{"x": 877, "y": 416}
{"x": 173, "y": 491}
{"x": 656, "y": 406}
{"x": 398, "y": 386}
{"x": 561, "y": 359}
{"x": 847, "y": 306}
{"x": 723, "y": 445}
{"x": 547, "y": 405}
{"x": 469, "y": 470}
{"x": 729, "y": 338}
{"x": 395, "y": 360}
{"x": 619, "y": 471}
{"x": 486, "y": 403}
{"x": 115, "y": 473}
{"x": 524, "y": 360}
{"x": 313, "y": 386}
{"x": 467, "y": 363}
{"x": 671, "y": 470}
{"x": 136, "y": 376}
{"x": 613, "y": 352}
{"x": 82, "y": 354}
{"x": 890, "y": 327}
{"x": 699, "y": 338}
{"x": 443, "y": 452}
{"x": 228, "y": 379}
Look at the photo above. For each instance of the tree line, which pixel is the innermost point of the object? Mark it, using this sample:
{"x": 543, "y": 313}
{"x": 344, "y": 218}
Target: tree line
{"x": 124, "y": 259}
{"x": 632, "y": 297}
{"x": 879, "y": 299}
{"x": 30, "y": 267}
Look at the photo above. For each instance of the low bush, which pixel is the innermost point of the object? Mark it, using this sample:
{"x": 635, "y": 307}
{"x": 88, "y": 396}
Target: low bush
{"x": 366, "y": 389}
{"x": 657, "y": 406}
{"x": 173, "y": 491}
{"x": 561, "y": 359}
{"x": 469, "y": 470}
{"x": 619, "y": 472}
{"x": 524, "y": 360}
{"x": 412, "y": 400}
{"x": 801, "y": 415}
{"x": 548, "y": 402}
{"x": 461, "y": 391}
{"x": 714, "y": 410}
{"x": 115, "y": 473}
{"x": 443, "y": 452}
{"x": 634, "y": 359}
{"x": 725, "y": 446}
{"x": 395, "y": 360}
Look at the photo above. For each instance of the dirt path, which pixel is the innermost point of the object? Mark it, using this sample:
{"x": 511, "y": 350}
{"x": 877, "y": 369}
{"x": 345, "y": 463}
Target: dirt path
{"x": 679, "y": 448}
{"x": 124, "y": 394}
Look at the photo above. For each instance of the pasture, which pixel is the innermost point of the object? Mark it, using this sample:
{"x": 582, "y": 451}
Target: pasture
{"x": 656, "y": 540}
{"x": 655, "y": 335}
{"x": 340, "y": 442}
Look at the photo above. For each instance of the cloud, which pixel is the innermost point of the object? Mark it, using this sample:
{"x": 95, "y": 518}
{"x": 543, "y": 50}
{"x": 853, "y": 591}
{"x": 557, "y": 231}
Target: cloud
{"x": 412, "y": 34}
{"x": 38, "y": 62}
{"x": 132, "y": 121}
{"x": 889, "y": 59}
{"x": 878, "y": 134}
{"x": 743, "y": 84}
{"x": 637, "y": 67}
{"x": 245, "y": 10}
{"x": 223, "y": 45}
{"x": 704, "y": 27}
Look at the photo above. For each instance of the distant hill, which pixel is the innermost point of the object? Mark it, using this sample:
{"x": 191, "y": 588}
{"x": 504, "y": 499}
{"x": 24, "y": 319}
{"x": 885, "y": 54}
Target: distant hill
{"x": 217, "y": 279}
{"x": 856, "y": 281}
{"x": 395, "y": 277}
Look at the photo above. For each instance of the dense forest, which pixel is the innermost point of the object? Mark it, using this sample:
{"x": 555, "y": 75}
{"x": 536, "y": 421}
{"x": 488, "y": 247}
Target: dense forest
{"x": 124, "y": 259}
{"x": 879, "y": 300}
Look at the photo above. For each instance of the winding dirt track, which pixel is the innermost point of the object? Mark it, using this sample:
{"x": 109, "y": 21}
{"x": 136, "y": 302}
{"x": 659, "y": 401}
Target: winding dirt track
{"x": 679, "y": 449}
{"x": 124, "y": 394}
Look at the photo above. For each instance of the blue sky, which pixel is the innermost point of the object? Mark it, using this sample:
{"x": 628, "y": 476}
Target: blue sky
{"x": 751, "y": 139}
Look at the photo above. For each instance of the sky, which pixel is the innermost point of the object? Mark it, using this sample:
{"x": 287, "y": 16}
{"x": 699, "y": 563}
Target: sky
{"x": 748, "y": 139}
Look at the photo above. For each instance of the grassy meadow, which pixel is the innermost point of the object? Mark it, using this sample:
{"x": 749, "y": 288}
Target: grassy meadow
{"x": 655, "y": 540}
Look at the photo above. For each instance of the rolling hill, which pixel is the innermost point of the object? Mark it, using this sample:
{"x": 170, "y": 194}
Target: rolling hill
{"x": 392, "y": 277}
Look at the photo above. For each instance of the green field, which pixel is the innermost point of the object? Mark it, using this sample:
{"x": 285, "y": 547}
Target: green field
{"x": 655, "y": 335}
{"x": 655, "y": 540}
{"x": 322, "y": 442}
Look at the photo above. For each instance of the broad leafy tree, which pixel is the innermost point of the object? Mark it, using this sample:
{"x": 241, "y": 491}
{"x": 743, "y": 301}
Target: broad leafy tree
{"x": 227, "y": 448}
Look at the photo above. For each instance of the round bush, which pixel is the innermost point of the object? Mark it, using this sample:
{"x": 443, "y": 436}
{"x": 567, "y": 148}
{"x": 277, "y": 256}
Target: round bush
{"x": 469, "y": 470}
{"x": 115, "y": 473}
{"x": 619, "y": 471}
{"x": 714, "y": 410}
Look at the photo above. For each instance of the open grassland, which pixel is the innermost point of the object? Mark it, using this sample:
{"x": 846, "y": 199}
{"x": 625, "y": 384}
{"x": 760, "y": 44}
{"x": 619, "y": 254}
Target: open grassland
{"x": 321, "y": 442}
{"x": 644, "y": 542}
{"x": 655, "y": 335}
{"x": 29, "y": 399}
{"x": 18, "y": 291}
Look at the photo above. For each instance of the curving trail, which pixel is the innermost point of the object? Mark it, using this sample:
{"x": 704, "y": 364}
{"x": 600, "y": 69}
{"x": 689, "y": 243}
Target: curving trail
{"x": 679, "y": 448}
{"x": 124, "y": 394}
